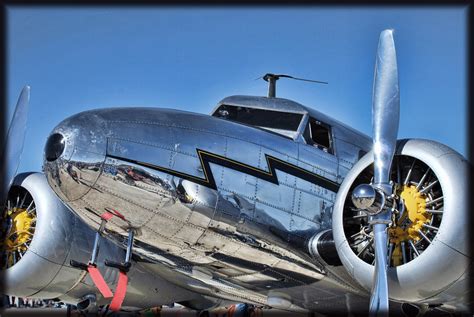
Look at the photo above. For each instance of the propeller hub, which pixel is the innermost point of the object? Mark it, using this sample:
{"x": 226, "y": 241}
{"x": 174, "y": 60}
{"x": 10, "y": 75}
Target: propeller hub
{"x": 363, "y": 196}
{"x": 368, "y": 198}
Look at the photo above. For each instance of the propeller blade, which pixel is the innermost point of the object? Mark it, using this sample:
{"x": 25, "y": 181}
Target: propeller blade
{"x": 13, "y": 146}
{"x": 385, "y": 118}
{"x": 379, "y": 297}
{"x": 385, "y": 108}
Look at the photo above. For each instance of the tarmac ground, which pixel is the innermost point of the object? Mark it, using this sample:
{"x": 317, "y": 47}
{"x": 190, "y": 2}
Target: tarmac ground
{"x": 177, "y": 311}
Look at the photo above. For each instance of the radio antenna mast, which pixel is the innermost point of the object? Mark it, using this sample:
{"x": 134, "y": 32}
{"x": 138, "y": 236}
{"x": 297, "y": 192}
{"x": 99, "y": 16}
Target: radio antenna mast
{"x": 272, "y": 78}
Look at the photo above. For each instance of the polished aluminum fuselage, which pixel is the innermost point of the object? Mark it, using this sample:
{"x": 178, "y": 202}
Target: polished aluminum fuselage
{"x": 44, "y": 270}
{"x": 227, "y": 210}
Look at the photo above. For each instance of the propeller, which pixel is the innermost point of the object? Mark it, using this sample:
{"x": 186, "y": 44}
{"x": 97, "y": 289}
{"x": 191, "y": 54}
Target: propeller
{"x": 376, "y": 199}
{"x": 13, "y": 146}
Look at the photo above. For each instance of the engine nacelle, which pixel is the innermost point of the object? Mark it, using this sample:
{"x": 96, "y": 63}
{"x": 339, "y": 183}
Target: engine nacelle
{"x": 428, "y": 253}
{"x": 43, "y": 236}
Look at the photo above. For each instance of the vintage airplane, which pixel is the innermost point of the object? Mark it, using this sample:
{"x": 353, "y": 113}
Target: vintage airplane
{"x": 265, "y": 202}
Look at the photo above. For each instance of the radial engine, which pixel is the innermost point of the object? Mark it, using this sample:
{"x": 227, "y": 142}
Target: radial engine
{"x": 428, "y": 235}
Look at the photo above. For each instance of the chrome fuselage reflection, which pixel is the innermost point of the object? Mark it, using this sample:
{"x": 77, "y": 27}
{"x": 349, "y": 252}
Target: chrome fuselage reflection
{"x": 229, "y": 210}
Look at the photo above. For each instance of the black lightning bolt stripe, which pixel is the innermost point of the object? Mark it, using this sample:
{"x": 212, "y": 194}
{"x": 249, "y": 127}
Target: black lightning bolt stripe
{"x": 271, "y": 176}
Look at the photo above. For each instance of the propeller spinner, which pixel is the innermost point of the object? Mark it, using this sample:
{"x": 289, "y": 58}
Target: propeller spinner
{"x": 376, "y": 198}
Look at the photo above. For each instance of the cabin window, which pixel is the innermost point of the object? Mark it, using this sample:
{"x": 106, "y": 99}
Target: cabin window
{"x": 283, "y": 123}
{"x": 318, "y": 134}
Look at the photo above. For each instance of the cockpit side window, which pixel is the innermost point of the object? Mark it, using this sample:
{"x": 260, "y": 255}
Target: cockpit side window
{"x": 318, "y": 134}
{"x": 283, "y": 123}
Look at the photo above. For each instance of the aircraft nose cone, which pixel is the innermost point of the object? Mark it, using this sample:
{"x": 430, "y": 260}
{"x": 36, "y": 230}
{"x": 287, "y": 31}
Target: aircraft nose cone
{"x": 73, "y": 155}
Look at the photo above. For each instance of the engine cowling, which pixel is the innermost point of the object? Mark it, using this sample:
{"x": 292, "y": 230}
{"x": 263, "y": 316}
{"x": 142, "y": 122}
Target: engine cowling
{"x": 428, "y": 243}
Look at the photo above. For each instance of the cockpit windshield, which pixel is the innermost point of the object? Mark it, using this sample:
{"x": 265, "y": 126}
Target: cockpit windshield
{"x": 283, "y": 123}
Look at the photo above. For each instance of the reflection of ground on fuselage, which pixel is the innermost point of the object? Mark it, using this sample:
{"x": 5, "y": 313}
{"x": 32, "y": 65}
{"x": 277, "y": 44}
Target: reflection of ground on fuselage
{"x": 131, "y": 175}
{"x": 72, "y": 172}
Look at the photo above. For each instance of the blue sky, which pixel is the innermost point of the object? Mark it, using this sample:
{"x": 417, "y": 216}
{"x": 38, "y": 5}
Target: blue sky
{"x": 190, "y": 58}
